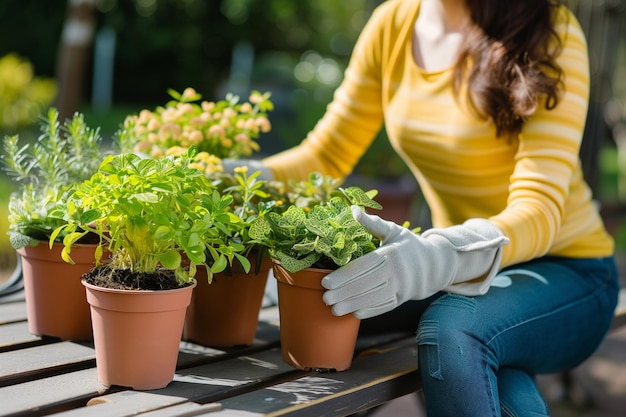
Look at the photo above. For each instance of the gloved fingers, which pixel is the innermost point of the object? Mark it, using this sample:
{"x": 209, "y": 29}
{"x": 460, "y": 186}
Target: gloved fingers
{"x": 382, "y": 229}
{"x": 374, "y": 311}
{"x": 356, "y": 270}
{"x": 367, "y": 289}
{"x": 367, "y": 304}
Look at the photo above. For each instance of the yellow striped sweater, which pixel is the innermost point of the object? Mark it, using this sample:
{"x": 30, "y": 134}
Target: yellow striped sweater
{"x": 532, "y": 188}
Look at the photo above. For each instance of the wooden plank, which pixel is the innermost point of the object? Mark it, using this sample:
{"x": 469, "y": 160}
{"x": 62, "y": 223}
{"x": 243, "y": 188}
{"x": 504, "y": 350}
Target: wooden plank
{"x": 222, "y": 377}
{"x": 48, "y": 395}
{"x": 372, "y": 380}
{"x": 191, "y": 354}
{"x": 200, "y": 384}
{"x": 75, "y": 389}
{"x": 43, "y": 361}
{"x": 185, "y": 410}
{"x": 16, "y": 336}
{"x": 131, "y": 403}
{"x": 12, "y": 312}
{"x": 214, "y": 381}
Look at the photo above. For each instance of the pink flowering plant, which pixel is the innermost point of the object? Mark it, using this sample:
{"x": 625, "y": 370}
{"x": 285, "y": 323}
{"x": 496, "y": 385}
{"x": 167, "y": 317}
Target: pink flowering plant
{"x": 227, "y": 128}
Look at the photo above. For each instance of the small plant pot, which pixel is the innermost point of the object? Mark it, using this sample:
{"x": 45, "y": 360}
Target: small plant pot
{"x": 55, "y": 299}
{"x": 137, "y": 334}
{"x": 311, "y": 336}
{"x": 225, "y": 313}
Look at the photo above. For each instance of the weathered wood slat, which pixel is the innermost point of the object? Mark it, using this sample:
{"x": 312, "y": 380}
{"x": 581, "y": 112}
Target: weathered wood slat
{"x": 12, "y": 312}
{"x": 219, "y": 379}
{"x": 56, "y": 393}
{"x": 198, "y": 385}
{"x": 372, "y": 380}
{"x": 42, "y": 361}
{"x": 185, "y": 410}
{"x": 214, "y": 381}
{"x": 191, "y": 354}
{"x": 16, "y": 336}
{"x": 130, "y": 403}
{"x": 63, "y": 357}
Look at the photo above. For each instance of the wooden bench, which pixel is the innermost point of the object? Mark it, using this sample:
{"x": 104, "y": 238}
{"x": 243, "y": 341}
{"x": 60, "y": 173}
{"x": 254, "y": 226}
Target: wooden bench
{"x": 44, "y": 376}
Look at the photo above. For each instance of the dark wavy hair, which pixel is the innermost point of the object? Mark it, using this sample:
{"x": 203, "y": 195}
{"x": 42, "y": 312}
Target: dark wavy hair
{"x": 508, "y": 59}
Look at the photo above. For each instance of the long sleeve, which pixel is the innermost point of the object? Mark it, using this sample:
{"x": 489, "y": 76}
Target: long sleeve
{"x": 530, "y": 187}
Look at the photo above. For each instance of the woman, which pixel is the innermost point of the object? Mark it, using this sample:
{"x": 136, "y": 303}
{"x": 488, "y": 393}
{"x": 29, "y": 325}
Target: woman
{"x": 486, "y": 102}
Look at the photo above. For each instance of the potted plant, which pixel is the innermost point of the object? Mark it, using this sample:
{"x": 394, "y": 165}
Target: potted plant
{"x": 220, "y": 129}
{"x": 227, "y": 128}
{"x": 315, "y": 235}
{"x": 159, "y": 220}
{"x": 236, "y": 294}
{"x": 45, "y": 172}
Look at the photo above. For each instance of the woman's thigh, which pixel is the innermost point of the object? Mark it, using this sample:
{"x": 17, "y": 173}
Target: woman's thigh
{"x": 542, "y": 316}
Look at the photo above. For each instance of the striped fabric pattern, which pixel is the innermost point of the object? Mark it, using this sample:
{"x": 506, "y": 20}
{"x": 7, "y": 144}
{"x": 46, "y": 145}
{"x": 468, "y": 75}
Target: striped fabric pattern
{"x": 531, "y": 188}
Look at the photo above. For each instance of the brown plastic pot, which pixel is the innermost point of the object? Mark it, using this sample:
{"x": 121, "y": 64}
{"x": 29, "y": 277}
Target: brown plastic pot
{"x": 225, "y": 313}
{"x": 137, "y": 334}
{"x": 311, "y": 336}
{"x": 55, "y": 299}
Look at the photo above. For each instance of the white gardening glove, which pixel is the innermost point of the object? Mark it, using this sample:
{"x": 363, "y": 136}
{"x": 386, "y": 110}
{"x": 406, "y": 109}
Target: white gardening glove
{"x": 252, "y": 164}
{"x": 408, "y": 266}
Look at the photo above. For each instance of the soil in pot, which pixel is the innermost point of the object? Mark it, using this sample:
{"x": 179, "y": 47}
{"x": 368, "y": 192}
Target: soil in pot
{"x": 124, "y": 279}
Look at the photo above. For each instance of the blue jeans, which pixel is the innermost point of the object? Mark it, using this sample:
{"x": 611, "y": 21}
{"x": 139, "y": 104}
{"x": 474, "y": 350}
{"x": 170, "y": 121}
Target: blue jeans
{"x": 478, "y": 355}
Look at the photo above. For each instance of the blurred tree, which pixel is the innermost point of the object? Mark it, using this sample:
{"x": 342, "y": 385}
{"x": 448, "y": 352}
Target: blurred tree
{"x": 74, "y": 51}
{"x": 178, "y": 43}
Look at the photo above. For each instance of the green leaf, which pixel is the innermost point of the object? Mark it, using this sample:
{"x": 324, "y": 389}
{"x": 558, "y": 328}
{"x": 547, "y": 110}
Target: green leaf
{"x": 360, "y": 198}
{"x": 170, "y": 259}
{"x": 244, "y": 261}
{"x": 292, "y": 264}
{"x": 219, "y": 265}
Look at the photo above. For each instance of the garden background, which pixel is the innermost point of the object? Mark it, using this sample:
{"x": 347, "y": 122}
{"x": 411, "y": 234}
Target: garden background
{"x": 109, "y": 58}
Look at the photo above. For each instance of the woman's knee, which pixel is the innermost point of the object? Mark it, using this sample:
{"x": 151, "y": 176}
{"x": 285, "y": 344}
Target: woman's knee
{"x": 447, "y": 347}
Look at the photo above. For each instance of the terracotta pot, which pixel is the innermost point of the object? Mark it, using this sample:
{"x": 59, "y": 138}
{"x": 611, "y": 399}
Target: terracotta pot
{"x": 55, "y": 299}
{"x": 311, "y": 336}
{"x": 137, "y": 334}
{"x": 225, "y": 313}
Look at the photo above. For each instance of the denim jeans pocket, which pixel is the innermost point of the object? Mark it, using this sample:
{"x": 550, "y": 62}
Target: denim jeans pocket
{"x": 428, "y": 344}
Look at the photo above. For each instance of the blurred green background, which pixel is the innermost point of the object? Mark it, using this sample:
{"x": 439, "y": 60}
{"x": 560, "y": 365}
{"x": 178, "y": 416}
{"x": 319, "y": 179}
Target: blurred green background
{"x": 109, "y": 58}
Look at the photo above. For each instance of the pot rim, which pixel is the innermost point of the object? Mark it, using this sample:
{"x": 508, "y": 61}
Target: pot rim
{"x": 119, "y": 290}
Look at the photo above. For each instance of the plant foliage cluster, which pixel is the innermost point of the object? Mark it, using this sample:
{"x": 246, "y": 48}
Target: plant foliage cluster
{"x": 151, "y": 213}
{"x": 321, "y": 234}
{"x": 227, "y": 128}
{"x": 46, "y": 171}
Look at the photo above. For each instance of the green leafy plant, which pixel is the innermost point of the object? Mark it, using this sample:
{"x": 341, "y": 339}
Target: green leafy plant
{"x": 321, "y": 233}
{"x": 154, "y": 214}
{"x": 45, "y": 172}
{"x": 252, "y": 198}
